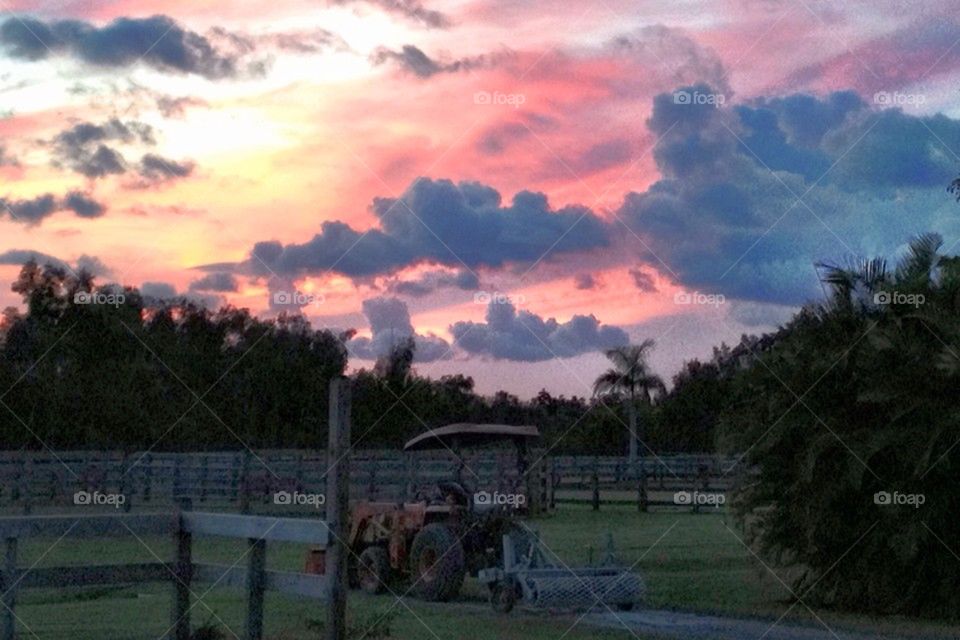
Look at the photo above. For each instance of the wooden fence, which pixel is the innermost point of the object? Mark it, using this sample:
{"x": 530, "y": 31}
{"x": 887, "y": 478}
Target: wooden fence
{"x": 677, "y": 480}
{"x": 182, "y": 572}
{"x": 241, "y": 481}
{"x": 249, "y": 481}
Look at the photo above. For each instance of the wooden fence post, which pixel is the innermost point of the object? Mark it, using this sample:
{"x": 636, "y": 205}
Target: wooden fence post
{"x": 338, "y": 497}
{"x": 256, "y": 587}
{"x": 640, "y": 469}
{"x": 183, "y": 570}
{"x": 9, "y": 590}
{"x": 596, "y": 486}
{"x": 245, "y": 483}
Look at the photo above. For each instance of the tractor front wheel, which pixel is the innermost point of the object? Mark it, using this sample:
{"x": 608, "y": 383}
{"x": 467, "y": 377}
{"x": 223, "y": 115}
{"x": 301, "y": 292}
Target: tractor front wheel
{"x": 437, "y": 563}
{"x": 373, "y": 570}
{"x": 503, "y": 595}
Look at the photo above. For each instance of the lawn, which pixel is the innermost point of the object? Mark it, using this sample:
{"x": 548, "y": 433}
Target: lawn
{"x": 692, "y": 562}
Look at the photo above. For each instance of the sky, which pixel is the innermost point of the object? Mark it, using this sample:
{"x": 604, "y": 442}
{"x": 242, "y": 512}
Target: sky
{"x": 519, "y": 185}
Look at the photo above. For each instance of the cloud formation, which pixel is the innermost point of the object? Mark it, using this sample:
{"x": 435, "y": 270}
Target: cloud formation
{"x": 33, "y": 211}
{"x": 751, "y": 196}
{"x": 155, "y": 170}
{"x": 411, "y": 9}
{"x": 415, "y": 61}
{"x": 158, "y": 42}
{"x": 439, "y": 222}
{"x": 389, "y": 321}
{"x": 433, "y": 280}
{"x": 82, "y": 147}
{"x": 91, "y": 264}
{"x": 222, "y": 282}
{"x": 511, "y": 335}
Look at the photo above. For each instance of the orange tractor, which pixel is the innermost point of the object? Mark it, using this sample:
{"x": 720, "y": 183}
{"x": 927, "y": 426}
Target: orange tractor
{"x": 447, "y": 532}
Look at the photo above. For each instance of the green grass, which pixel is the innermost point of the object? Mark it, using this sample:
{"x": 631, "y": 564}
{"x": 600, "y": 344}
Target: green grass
{"x": 690, "y": 562}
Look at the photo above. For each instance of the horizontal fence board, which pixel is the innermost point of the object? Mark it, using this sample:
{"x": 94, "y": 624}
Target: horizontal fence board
{"x": 309, "y": 531}
{"x": 84, "y": 576}
{"x": 87, "y": 526}
{"x": 298, "y": 584}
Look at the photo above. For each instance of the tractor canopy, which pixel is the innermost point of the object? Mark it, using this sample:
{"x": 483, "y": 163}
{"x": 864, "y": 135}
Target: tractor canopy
{"x": 466, "y": 434}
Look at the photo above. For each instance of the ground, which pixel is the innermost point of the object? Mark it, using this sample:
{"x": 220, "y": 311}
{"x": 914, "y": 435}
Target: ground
{"x": 691, "y": 562}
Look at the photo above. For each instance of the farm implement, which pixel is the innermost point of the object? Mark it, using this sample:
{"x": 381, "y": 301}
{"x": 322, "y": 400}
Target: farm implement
{"x": 449, "y": 532}
{"x": 529, "y": 575}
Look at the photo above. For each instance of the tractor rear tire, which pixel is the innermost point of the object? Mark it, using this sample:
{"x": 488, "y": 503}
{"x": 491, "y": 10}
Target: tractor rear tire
{"x": 373, "y": 570}
{"x": 437, "y": 563}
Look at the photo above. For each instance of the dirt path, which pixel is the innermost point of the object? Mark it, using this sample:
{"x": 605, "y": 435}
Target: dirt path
{"x": 669, "y": 624}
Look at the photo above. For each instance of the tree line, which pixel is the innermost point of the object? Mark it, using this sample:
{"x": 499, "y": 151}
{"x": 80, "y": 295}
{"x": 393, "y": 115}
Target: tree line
{"x": 90, "y": 366}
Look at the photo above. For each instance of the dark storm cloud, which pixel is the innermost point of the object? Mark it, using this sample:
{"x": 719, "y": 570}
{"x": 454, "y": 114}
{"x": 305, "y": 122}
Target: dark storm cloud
{"x": 389, "y": 323}
{"x": 511, "y": 335}
{"x": 154, "y": 170}
{"x": 91, "y": 264}
{"x": 19, "y": 257}
{"x": 434, "y": 280}
{"x": 83, "y": 205}
{"x": 439, "y": 222}
{"x": 223, "y": 282}
{"x": 725, "y": 215}
{"x": 33, "y": 211}
{"x": 411, "y": 9}
{"x": 82, "y": 147}
{"x": 415, "y": 61}
{"x": 29, "y": 211}
{"x": 157, "y": 41}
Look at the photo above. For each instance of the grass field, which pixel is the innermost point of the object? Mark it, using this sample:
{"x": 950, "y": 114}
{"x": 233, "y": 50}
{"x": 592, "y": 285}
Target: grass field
{"x": 691, "y": 562}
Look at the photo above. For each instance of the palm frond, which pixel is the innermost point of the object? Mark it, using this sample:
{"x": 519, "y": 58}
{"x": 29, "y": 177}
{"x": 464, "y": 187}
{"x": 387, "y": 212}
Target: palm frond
{"x": 921, "y": 259}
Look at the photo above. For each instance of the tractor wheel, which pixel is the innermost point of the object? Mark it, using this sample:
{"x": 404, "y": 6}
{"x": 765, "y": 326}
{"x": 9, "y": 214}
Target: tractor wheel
{"x": 503, "y": 595}
{"x": 437, "y": 563}
{"x": 373, "y": 570}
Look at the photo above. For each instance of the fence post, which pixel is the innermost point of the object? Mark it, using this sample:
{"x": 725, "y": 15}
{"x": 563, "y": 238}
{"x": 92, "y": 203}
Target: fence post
{"x": 256, "y": 587}
{"x": 596, "y": 486}
{"x": 183, "y": 571}
{"x": 642, "y": 500}
{"x": 9, "y": 589}
{"x": 245, "y": 483}
{"x": 338, "y": 497}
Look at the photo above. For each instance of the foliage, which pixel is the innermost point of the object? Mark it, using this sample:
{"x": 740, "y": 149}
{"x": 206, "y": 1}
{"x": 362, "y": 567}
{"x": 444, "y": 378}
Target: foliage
{"x": 857, "y": 396}
{"x": 176, "y": 376}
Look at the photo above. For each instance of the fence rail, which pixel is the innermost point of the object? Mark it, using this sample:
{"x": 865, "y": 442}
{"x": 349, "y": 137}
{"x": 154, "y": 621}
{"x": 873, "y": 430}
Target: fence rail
{"x": 250, "y": 481}
{"x": 180, "y": 572}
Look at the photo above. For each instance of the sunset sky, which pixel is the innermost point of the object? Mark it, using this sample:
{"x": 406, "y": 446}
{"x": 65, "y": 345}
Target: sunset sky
{"x": 521, "y": 184}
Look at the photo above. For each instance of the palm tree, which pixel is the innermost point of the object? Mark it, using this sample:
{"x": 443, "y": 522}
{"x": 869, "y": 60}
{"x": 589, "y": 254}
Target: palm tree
{"x": 632, "y": 377}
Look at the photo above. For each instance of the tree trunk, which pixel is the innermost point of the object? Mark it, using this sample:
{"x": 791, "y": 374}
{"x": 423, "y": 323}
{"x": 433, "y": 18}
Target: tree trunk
{"x": 634, "y": 436}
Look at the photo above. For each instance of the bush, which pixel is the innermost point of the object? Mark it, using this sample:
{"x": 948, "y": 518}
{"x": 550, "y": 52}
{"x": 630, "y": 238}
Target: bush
{"x": 852, "y": 411}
